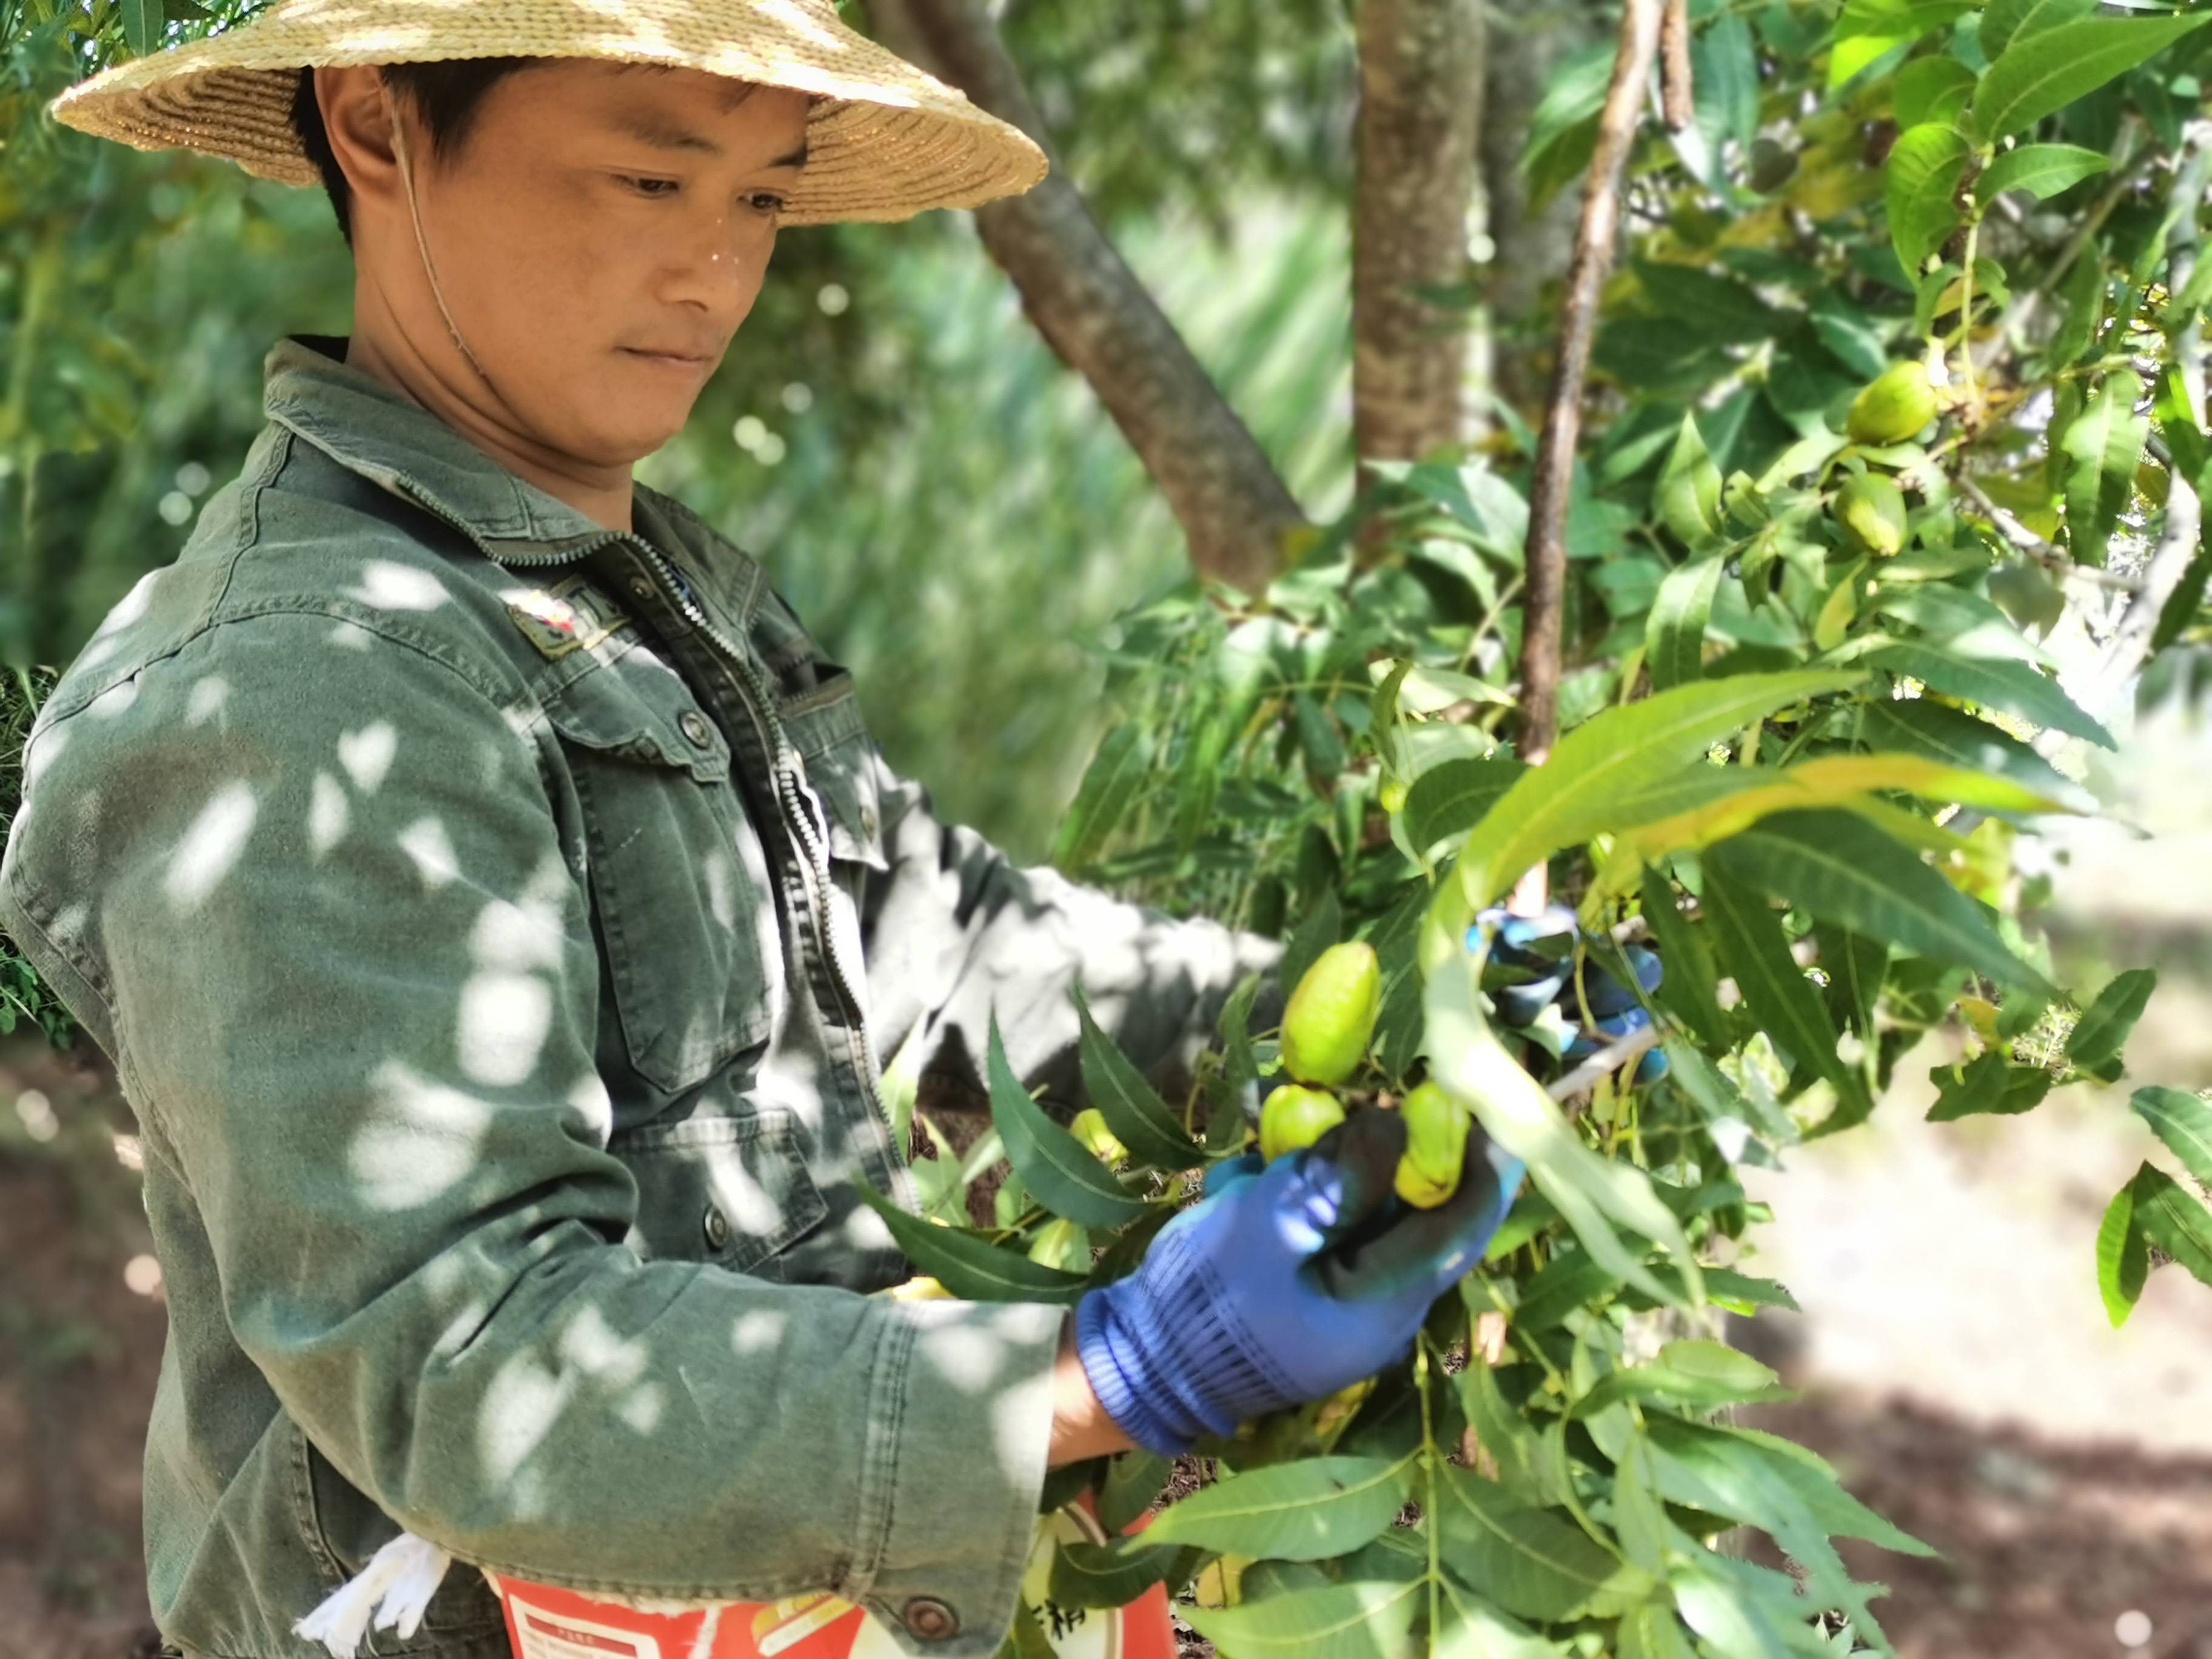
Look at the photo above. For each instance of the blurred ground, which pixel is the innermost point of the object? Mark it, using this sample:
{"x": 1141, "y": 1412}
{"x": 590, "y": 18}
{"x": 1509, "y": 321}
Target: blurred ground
{"x": 1956, "y": 1362}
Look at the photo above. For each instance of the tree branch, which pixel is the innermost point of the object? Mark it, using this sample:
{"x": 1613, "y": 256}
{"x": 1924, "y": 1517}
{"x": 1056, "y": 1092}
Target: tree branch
{"x": 1555, "y": 448}
{"x": 1678, "y": 96}
{"x": 1232, "y": 504}
{"x": 2052, "y": 559}
{"x": 1421, "y": 117}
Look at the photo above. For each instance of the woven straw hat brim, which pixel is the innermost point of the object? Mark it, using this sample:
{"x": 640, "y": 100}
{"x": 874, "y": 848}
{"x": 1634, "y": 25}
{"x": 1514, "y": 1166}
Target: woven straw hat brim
{"x": 884, "y": 140}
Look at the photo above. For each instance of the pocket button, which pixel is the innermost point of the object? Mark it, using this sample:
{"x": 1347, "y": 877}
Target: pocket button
{"x": 718, "y": 1227}
{"x": 929, "y": 1619}
{"x": 694, "y": 727}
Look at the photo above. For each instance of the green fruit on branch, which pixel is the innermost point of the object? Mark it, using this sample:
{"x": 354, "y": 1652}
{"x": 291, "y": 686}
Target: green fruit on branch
{"x": 1870, "y": 508}
{"x": 1392, "y": 794}
{"x": 1893, "y": 406}
{"x": 1294, "y": 1117}
{"x": 1089, "y": 1126}
{"x": 1332, "y": 1014}
{"x": 1435, "y": 1146}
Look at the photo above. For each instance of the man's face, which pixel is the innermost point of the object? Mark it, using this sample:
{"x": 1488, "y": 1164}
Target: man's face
{"x": 597, "y": 214}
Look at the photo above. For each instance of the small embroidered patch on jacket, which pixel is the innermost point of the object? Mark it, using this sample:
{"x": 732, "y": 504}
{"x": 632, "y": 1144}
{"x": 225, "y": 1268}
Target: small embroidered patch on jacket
{"x": 571, "y": 615}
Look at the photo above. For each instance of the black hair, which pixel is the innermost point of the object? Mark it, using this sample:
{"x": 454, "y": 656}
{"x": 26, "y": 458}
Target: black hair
{"x": 447, "y": 96}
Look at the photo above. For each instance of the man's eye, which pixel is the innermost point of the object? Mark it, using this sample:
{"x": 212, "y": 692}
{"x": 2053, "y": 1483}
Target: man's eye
{"x": 766, "y": 200}
{"x": 648, "y": 188}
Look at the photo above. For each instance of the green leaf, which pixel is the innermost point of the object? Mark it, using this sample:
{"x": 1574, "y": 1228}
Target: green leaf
{"x": 1966, "y": 741}
{"x": 1532, "y": 1562}
{"x": 1652, "y": 1632}
{"x": 2099, "y": 1035}
{"x": 1700, "y": 1384}
{"x": 2175, "y": 1221}
{"x": 2183, "y": 1122}
{"x": 1674, "y": 637}
{"x": 2123, "y": 1257}
{"x": 1449, "y": 800}
{"x": 1933, "y": 88}
{"x": 2004, "y": 21}
{"x": 1472, "y": 1629}
{"x": 1058, "y": 1170}
{"x": 1139, "y": 1119}
{"x": 1919, "y": 181}
{"x": 1499, "y": 1430}
{"x": 1132, "y": 1480}
{"x": 142, "y": 25}
{"x": 1575, "y": 793}
{"x": 969, "y": 1265}
{"x": 2042, "y": 170}
{"x": 2013, "y": 687}
{"x": 1306, "y": 1510}
{"x": 1867, "y": 30}
{"x": 1688, "y": 493}
{"x": 1726, "y": 1286}
{"x": 1778, "y": 994}
{"x": 1689, "y": 988}
{"x": 2082, "y": 295}
{"x": 1964, "y": 624}
{"x": 2105, "y": 445}
{"x": 1855, "y": 966}
{"x": 1111, "y": 783}
{"x": 1842, "y": 869}
{"x": 1590, "y": 1192}
{"x": 1719, "y": 1100}
{"x": 1363, "y": 1619}
{"x": 1110, "y": 1575}
{"x": 1988, "y": 1085}
{"x": 2040, "y": 73}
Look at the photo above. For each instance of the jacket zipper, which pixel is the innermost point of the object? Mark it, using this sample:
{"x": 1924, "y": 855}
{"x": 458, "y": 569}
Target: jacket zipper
{"x": 814, "y": 843}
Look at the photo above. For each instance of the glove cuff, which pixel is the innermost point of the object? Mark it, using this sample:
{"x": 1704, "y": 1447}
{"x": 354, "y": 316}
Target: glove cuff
{"x": 1114, "y": 1365}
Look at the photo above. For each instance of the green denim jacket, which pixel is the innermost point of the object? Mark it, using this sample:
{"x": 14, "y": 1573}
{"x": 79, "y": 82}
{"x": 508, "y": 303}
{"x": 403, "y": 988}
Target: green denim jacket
{"x": 496, "y": 922}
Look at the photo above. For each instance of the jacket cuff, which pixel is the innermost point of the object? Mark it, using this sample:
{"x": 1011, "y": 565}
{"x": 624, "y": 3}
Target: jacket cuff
{"x": 959, "y": 1427}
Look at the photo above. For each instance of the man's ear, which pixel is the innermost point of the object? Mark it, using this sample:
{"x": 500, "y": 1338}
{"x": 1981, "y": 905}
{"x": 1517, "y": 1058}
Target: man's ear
{"x": 357, "y": 116}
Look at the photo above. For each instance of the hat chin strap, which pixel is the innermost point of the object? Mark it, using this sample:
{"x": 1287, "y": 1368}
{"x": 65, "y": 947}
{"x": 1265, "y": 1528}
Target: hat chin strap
{"x": 422, "y": 245}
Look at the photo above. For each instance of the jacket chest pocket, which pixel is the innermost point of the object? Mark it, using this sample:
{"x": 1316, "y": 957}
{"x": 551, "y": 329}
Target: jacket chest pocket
{"x": 679, "y": 880}
{"x": 731, "y": 1191}
{"x": 840, "y": 762}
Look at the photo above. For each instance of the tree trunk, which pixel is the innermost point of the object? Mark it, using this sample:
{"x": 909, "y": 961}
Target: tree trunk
{"x": 1421, "y": 117}
{"x": 1233, "y": 505}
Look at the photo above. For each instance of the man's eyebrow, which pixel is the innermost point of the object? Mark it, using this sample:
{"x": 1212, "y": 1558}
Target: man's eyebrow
{"x": 651, "y": 127}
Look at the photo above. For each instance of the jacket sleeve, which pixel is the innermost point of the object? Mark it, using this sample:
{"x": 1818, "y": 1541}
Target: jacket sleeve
{"x": 354, "y": 993}
{"x": 957, "y": 933}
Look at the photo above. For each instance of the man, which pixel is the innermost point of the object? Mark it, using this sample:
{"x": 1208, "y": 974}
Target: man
{"x": 496, "y": 910}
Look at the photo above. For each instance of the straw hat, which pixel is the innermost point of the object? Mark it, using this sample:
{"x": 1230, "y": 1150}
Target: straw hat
{"x": 884, "y": 140}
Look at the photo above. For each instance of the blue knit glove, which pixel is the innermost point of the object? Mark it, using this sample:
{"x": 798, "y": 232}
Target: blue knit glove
{"x": 1541, "y": 950}
{"x": 1286, "y": 1283}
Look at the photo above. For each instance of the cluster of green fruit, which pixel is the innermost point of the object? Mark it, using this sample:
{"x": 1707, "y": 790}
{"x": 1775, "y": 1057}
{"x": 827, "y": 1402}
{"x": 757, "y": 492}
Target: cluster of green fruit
{"x": 1327, "y": 1026}
{"x": 1891, "y": 409}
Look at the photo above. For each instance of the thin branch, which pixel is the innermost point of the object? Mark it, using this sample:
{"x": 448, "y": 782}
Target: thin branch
{"x": 1233, "y": 505}
{"x": 1614, "y": 1057}
{"x": 1678, "y": 95}
{"x": 1546, "y": 558}
{"x": 2052, "y": 559}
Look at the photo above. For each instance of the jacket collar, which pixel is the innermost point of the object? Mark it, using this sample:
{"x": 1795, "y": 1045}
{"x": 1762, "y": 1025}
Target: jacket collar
{"x": 371, "y": 429}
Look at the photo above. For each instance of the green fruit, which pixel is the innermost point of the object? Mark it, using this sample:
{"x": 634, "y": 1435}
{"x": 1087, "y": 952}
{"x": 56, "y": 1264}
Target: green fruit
{"x": 1061, "y": 1243}
{"x": 1295, "y": 1117}
{"x": 1435, "y": 1146}
{"x": 1392, "y": 794}
{"x": 1893, "y": 406}
{"x": 1332, "y": 1014}
{"x": 1089, "y": 1126}
{"x": 1871, "y": 510}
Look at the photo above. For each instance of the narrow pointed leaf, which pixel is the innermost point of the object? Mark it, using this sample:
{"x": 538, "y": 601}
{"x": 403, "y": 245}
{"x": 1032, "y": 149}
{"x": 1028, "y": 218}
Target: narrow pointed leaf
{"x": 1919, "y": 181}
{"x": 1449, "y": 800}
{"x": 2102, "y": 1031}
{"x": 2103, "y": 445}
{"x": 1779, "y": 996}
{"x": 1688, "y": 493}
{"x": 2123, "y": 1257}
{"x": 2042, "y": 170}
{"x": 2175, "y": 1220}
{"x": 1535, "y": 1563}
{"x": 2013, "y": 687}
{"x": 1057, "y": 1168}
{"x": 1675, "y": 635}
{"x": 1363, "y": 1619}
{"x": 1474, "y": 1629}
{"x": 1110, "y": 784}
{"x": 1500, "y": 1431}
{"x": 1988, "y": 1085}
{"x": 1687, "y": 988}
{"x": 2004, "y": 21}
{"x": 972, "y": 1267}
{"x": 2183, "y": 1122}
{"x": 1310, "y": 1509}
{"x": 1139, "y": 1119}
{"x": 1967, "y": 742}
{"x": 1840, "y": 868}
{"x": 2039, "y": 74}
{"x": 1575, "y": 793}
{"x": 1110, "y": 1575}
